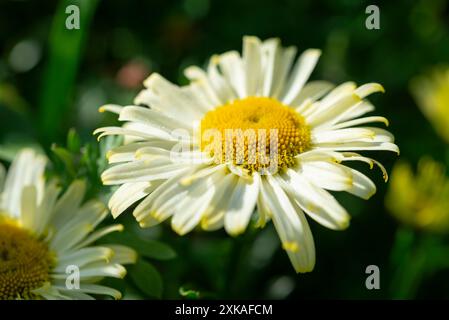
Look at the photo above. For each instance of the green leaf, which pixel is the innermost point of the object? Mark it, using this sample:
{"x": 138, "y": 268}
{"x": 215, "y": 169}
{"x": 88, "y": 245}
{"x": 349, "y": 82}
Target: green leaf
{"x": 147, "y": 248}
{"x": 73, "y": 141}
{"x": 155, "y": 249}
{"x": 146, "y": 278}
{"x": 66, "y": 157}
{"x": 65, "y": 52}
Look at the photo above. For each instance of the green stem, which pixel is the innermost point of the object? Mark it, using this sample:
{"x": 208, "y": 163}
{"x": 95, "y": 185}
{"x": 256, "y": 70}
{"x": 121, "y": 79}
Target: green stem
{"x": 65, "y": 49}
{"x": 236, "y": 272}
{"x": 409, "y": 260}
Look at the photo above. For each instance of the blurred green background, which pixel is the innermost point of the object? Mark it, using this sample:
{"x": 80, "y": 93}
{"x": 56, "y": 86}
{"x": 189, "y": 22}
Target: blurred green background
{"x": 53, "y": 79}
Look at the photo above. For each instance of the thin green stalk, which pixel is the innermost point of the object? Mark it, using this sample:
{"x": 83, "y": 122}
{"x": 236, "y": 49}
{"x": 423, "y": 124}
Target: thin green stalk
{"x": 65, "y": 50}
{"x": 409, "y": 262}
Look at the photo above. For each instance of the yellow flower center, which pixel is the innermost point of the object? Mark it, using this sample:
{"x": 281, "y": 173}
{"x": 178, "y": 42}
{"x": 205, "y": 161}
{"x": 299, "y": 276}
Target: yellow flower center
{"x": 255, "y": 133}
{"x": 25, "y": 262}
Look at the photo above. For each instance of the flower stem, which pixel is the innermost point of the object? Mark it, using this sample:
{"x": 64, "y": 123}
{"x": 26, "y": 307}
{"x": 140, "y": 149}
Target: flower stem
{"x": 408, "y": 261}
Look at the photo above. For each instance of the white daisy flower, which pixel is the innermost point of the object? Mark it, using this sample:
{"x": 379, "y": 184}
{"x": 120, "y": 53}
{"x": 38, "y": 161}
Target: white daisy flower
{"x": 46, "y": 249}
{"x": 181, "y": 162}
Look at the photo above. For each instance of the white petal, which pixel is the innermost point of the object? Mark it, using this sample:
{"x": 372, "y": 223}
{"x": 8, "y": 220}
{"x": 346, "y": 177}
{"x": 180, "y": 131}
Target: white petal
{"x": 122, "y": 254}
{"x": 98, "y": 234}
{"x": 343, "y": 135}
{"x": 190, "y": 209}
{"x": 70, "y": 237}
{"x": 167, "y": 193}
{"x": 328, "y": 112}
{"x": 142, "y": 170}
{"x": 113, "y": 131}
{"x": 355, "y": 146}
{"x": 252, "y": 64}
{"x": 281, "y": 70}
{"x": 337, "y": 177}
{"x": 82, "y": 257}
{"x": 2, "y": 180}
{"x": 357, "y": 110}
{"x": 188, "y": 157}
{"x": 100, "y": 270}
{"x": 151, "y": 118}
{"x": 359, "y": 121}
{"x": 127, "y": 194}
{"x": 291, "y": 225}
{"x": 221, "y": 85}
{"x": 312, "y": 91}
{"x": 263, "y": 212}
{"x": 27, "y": 169}
{"x": 194, "y": 73}
{"x": 327, "y": 175}
{"x": 351, "y": 156}
{"x": 29, "y": 207}
{"x": 46, "y": 208}
{"x": 213, "y": 216}
{"x": 170, "y": 99}
{"x": 241, "y": 205}
{"x": 77, "y": 228}
{"x": 203, "y": 94}
{"x": 343, "y": 105}
{"x": 367, "y": 89}
{"x": 49, "y": 292}
{"x": 68, "y": 203}
{"x": 127, "y": 152}
{"x": 111, "y": 108}
{"x": 232, "y": 67}
{"x": 300, "y": 74}
{"x": 93, "y": 289}
{"x": 271, "y": 54}
{"x": 319, "y": 154}
{"x": 316, "y": 202}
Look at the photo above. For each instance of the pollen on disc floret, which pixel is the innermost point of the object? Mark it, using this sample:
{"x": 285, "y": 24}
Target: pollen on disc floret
{"x": 254, "y": 132}
{"x": 25, "y": 263}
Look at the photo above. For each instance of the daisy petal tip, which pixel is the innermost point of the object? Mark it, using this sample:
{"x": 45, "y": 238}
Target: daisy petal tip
{"x": 115, "y": 214}
{"x": 142, "y": 225}
{"x": 179, "y": 231}
{"x": 215, "y": 59}
{"x": 345, "y": 224}
{"x": 185, "y": 182}
{"x": 252, "y": 39}
{"x": 369, "y": 196}
{"x": 291, "y": 246}
{"x": 236, "y": 232}
{"x": 134, "y": 257}
{"x": 122, "y": 273}
{"x": 260, "y": 225}
{"x": 304, "y": 269}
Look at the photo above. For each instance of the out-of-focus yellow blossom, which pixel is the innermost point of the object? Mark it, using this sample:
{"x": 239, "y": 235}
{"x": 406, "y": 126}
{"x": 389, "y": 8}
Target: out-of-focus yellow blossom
{"x": 422, "y": 199}
{"x": 431, "y": 93}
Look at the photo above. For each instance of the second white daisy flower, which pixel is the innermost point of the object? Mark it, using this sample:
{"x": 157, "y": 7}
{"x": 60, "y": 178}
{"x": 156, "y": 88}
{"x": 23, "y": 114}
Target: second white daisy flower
{"x": 45, "y": 238}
